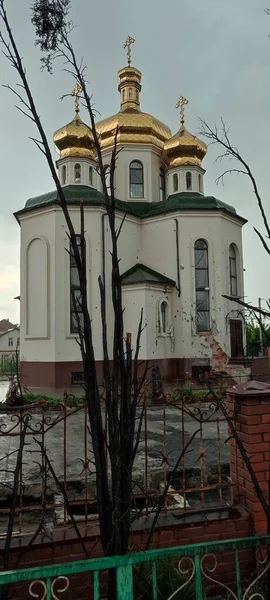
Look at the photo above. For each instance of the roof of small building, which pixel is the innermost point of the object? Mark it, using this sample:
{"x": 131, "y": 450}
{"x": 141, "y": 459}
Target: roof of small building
{"x": 8, "y": 331}
{"x": 176, "y": 202}
{"x": 5, "y": 325}
{"x": 142, "y": 274}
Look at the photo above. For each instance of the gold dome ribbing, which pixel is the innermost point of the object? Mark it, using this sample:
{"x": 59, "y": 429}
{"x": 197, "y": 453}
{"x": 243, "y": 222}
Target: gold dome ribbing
{"x": 75, "y": 139}
{"x": 184, "y": 149}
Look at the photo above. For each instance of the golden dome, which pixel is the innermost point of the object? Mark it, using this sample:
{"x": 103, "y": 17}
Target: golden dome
{"x": 135, "y": 127}
{"x": 184, "y": 149}
{"x": 75, "y": 140}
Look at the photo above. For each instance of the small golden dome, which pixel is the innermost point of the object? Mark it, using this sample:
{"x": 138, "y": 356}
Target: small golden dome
{"x": 134, "y": 126}
{"x": 184, "y": 149}
{"x": 75, "y": 140}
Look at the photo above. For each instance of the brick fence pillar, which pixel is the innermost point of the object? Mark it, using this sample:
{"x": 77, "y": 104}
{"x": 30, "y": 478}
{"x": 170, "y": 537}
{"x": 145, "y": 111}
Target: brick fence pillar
{"x": 249, "y": 405}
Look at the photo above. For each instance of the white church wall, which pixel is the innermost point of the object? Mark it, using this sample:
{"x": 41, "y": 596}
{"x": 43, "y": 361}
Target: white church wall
{"x": 134, "y": 299}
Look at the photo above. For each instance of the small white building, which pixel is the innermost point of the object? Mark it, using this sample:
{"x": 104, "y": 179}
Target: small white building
{"x": 180, "y": 251}
{"x": 9, "y": 342}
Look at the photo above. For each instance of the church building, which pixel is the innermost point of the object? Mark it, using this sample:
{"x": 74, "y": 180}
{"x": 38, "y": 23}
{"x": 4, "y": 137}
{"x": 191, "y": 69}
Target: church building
{"x": 180, "y": 251}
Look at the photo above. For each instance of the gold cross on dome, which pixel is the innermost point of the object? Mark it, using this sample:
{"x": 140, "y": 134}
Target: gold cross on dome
{"x": 181, "y": 104}
{"x": 130, "y": 40}
{"x": 75, "y": 92}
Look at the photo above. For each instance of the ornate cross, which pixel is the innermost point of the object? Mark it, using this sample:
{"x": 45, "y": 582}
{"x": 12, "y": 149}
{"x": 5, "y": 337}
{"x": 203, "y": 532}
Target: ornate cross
{"x": 75, "y": 92}
{"x": 130, "y": 40}
{"x": 181, "y": 104}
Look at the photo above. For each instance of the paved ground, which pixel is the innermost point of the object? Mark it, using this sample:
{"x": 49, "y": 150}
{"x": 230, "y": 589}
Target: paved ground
{"x": 158, "y": 444}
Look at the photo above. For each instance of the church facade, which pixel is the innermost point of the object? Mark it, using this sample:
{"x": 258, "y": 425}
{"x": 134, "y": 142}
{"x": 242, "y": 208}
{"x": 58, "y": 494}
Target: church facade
{"x": 180, "y": 252}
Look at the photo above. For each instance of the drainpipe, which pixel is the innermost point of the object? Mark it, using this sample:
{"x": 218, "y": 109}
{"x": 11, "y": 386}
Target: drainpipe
{"x": 103, "y": 252}
{"x": 177, "y": 257}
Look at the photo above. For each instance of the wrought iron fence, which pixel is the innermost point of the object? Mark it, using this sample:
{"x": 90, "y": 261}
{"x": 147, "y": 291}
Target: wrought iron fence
{"x": 235, "y": 569}
{"x": 56, "y": 476}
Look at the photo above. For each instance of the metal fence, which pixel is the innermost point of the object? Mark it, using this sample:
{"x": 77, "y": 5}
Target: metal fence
{"x": 235, "y": 569}
{"x": 52, "y": 475}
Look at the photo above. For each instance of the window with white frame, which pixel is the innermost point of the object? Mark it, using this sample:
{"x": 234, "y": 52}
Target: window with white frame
{"x": 136, "y": 187}
{"x": 175, "y": 182}
{"x": 202, "y": 286}
{"x": 64, "y": 174}
{"x": 77, "y": 173}
{"x": 91, "y": 170}
{"x": 188, "y": 180}
{"x": 162, "y": 194}
{"x": 200, "y": 182}
{"x": 164, "y": 317}
{"x": 76, "y": 315}
{"x": 10, "y": 342}
{"x": 233, "y": 270}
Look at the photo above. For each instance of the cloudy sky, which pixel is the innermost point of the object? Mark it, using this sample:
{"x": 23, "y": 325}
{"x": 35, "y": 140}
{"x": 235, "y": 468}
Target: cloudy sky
{"x": 217, "y": 54}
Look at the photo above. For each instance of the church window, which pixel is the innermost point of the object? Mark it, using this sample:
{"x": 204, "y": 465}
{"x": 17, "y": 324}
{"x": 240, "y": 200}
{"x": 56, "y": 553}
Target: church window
{"x": 130, "y": 94}
{"x": 162, "y": 183}
{"x": 64, "y": 175}
{"x": 175, "y": 182}
{"x": 202, "y": 286}
{"x": 90, "y": 175}
{"x": 137, "y": 95}
{"x": 233, "y": 270}
{"x": 77, "y": 173}
{"x": 188, "y": 180}
{"x": 124, "y": 95}
{"x": 76, "y": 315}
{"x": 107, "y": 177}
{"x": 164, "y": 317}
{"x": 136, "y": 179}
{"x": 200, "y": 182}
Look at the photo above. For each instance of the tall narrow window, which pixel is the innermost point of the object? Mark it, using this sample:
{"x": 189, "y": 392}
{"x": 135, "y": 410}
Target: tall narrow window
{"x": 202, "y": 286}
{"x": 162, "y": 183}
{"x": 136, "y": 179}
{"x": 10, "y": 341}
{"x": 107, "y": 177}
{"x": 130, "y": 94}
{"x": 90, "y": 175}
{"x": 164, "y": 317}
{"x": 188, "y": 180}
{"x": 175, "y": 182}
{"x": 124, "y": 95}
{"x": 77, "y": 173}
{"x": 233, "y": 271}
{"x": 64, "y": 175}
{"x": 75, "y": 292}
{"x": 200, "y": 182}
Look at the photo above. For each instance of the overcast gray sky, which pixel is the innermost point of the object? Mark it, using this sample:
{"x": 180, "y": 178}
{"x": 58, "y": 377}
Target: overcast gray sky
{"x": 215, "y": 53}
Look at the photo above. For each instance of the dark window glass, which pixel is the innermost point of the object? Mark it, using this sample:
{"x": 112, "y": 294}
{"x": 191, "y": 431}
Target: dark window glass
{"x": 75, "y": 292}
{"x": 202, "y": 286}
{"x": 162, "y": 183}
{"x": 136, "y": 180}
{"x": 90, "y": 175}
{"x": 188, "y": 180}
{"x": 175, "y": 182}
{"x": 233, "y": 271}
{"x": 77, "y": 173}
{"x": 200, "y": 182}
{"x": 64, "y": 175}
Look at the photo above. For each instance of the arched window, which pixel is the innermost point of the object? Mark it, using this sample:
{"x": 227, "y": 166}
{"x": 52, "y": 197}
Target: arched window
{"x": 162, "y": 184}
{"x": 175, "y": 182}
{"x": 124, "y": 95}
{"x": 200, "y": 182}
{"x": 77, "y": 173}
{"x": 91, "y": 175}
{"x": 107, "y": 177}
{"x": 130, "y": 94}
{"x": 164, "y": 317}
{"x": 188, "y": 180}
{"x": 64, "y": 175}
{"x": 202, "y": 286}
{"x": 233, "y": 270}
{"x": 136, "y": 179}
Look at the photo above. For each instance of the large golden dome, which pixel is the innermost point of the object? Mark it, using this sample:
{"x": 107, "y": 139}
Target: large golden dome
{"x": 184, "y": 148}
{"x": 134, "y": 126}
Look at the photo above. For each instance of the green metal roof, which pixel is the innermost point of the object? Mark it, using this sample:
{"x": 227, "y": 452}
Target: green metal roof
{"x": 142, "y": 274}
{"x": 174, "y": 203}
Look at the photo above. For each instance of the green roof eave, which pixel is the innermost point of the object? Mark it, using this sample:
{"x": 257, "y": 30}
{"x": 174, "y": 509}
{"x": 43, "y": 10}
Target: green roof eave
{"x": 144, "y": 275}
{"x": 74, "y": 194}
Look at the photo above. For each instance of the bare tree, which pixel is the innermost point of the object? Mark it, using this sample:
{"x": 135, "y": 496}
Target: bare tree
{"x": 123, "y": 386}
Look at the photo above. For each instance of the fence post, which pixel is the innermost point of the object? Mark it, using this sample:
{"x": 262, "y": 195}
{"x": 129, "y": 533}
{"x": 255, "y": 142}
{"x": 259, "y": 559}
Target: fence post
{"x": 249, "y": 406}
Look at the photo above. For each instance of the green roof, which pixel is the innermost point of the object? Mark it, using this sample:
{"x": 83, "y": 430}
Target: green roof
{"x": 142, "y": 274}
{"x": 176, "y": 202}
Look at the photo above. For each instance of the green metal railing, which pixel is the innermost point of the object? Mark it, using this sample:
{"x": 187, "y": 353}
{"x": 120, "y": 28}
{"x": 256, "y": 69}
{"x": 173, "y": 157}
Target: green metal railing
{"x": 213, "y": 565}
